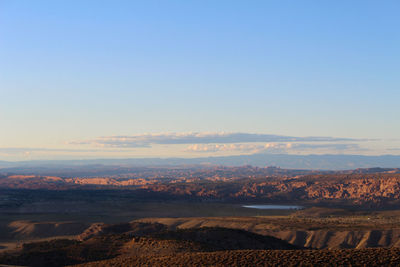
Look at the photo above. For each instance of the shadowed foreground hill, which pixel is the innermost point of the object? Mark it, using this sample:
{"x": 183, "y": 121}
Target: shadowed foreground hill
{"x": 217, "y": 238}
{"x": 152, "y": 244}
{"x": 101, "y": 242}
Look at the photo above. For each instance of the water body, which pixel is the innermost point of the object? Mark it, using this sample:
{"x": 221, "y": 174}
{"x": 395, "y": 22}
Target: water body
{"x": 274, "y": 207}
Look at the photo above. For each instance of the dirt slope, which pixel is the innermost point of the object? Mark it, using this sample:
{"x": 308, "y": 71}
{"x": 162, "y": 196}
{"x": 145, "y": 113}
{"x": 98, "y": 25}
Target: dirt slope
{"x": 33, "y": 230}
{"x": 344, "y": 257}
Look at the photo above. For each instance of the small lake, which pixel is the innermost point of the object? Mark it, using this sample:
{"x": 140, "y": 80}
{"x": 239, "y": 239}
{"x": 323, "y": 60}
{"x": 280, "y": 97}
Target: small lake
{"x": 274, "y": 207}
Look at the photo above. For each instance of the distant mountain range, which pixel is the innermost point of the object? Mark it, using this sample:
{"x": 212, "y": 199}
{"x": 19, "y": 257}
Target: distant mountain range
{"x": 315, "y": 162}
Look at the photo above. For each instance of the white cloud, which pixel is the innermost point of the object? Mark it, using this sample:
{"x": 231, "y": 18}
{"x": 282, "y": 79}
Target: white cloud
{"x": 268, "y": 147}
{"x": 225, "y": 147}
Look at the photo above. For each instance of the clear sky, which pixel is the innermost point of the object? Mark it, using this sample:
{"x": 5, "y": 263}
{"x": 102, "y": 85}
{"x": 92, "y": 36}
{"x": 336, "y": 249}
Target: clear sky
{"x": 76, "y": 74}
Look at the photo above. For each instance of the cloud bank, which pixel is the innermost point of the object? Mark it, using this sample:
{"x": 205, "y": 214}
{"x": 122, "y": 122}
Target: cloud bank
{"x": 147, "y": 140}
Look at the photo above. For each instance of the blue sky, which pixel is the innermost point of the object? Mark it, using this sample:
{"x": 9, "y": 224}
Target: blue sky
{"x": 76, "y": 72}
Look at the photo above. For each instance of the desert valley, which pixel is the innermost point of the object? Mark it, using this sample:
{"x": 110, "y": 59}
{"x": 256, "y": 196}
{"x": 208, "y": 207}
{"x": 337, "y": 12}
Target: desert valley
{"x": 184, "y": 215}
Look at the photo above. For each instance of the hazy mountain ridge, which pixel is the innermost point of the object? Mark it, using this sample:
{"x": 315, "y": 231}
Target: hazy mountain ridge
{"x": 320, "y": 162}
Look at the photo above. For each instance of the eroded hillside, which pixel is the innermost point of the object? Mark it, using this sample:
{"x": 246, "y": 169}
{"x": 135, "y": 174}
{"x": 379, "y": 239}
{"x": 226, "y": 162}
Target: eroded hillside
{"x": 355, "y": 187}
{"x": 354, "y": 231}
